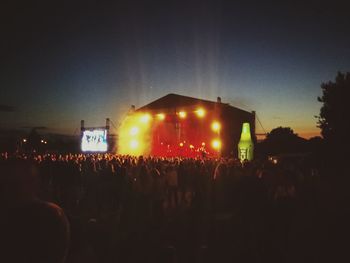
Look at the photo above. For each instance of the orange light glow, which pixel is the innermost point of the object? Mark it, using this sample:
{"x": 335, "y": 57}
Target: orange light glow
{"x": 191, "y": 146}
{"x": 145, "y": 118}
{"x": 181, "y": 144}
{"x": 135, "y": 134}
{"x": 216, "y": 126}
{"x": 24, "y": 140}
{"x": 216, "y": 144}
{"x": 161, "y": 116}
{"x": 134, "y": 130}
{"x": 200, "y": 112}
{"x": 134, "y": 144}
{"x": 182, "y": 114}
{"x": 203, "y": 143}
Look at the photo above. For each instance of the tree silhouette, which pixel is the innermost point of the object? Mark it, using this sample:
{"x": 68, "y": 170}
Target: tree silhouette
{"x": 281, "y": 134}
{"x": 282, "y": 140}
{"x": 334, "y": 113}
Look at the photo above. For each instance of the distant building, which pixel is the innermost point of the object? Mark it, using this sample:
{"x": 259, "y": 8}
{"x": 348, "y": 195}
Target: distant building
{"x": 187, "y": 126}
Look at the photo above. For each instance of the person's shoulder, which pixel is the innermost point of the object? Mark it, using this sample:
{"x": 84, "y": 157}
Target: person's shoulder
{"x": 52, "y": 208}
{"x": 42, "y": 210}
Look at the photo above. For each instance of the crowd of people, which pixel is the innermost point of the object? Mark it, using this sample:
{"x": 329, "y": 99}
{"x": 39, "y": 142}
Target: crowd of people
{"x": 114, "y": 208}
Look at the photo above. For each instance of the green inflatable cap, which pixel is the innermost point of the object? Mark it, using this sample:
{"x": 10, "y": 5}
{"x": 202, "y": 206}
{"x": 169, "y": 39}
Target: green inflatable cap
{"x": 245, "y": 145}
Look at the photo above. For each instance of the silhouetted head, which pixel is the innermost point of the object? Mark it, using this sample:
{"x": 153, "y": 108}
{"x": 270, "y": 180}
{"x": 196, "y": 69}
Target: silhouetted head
{"x": 31, "y": 230}
{"x": 35, "y": 232}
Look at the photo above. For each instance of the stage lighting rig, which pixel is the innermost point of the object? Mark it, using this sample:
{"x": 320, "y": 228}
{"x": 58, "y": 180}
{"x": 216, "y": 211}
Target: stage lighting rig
{"x": 200, "y": 112}
{"x": 182, "y": 114}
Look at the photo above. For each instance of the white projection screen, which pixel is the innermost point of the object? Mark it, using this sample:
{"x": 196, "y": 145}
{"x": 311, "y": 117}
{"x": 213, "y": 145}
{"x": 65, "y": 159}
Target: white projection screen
{"x": 94, "y": 141}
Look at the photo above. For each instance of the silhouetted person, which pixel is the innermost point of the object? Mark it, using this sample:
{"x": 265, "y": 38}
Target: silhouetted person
{"x": 171, "y": 180}
{"x": 31, "y": 230}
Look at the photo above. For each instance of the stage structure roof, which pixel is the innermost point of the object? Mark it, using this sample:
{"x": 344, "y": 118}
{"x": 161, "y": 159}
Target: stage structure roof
{"x": 174, "y": 101}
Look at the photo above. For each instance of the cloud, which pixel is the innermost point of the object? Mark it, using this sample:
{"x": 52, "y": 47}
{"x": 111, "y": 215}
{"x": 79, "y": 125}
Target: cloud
{"x": 6, "y": 108}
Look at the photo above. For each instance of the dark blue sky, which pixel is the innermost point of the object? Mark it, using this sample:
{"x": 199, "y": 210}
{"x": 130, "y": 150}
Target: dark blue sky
{"x": 63, "y": 61}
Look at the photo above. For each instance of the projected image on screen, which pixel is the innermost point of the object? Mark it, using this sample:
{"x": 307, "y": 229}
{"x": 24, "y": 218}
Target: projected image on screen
{"x": 94, "y": 141}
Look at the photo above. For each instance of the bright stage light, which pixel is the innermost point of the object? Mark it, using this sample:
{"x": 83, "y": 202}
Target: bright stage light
{"x": 161, "y": 116}
{"x": 134, "y": 144}
{"x": 191, "y": 146}
{"x": 216, "y": 144}
{"x": 200, "y": 112}
{"x": 181, "y": 144}
{"x": 145, "y": 118}
{"x": 135, "y": 134}
{"x": 134, "y": 131}
{"x": 216, "y": 126}
{"x": 182, "y": 114}
{"x": 203, "y": 143}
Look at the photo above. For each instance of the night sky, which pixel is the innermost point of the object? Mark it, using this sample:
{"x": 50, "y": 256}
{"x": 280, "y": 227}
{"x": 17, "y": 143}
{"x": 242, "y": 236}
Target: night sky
{"x": 63, "y": 61}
